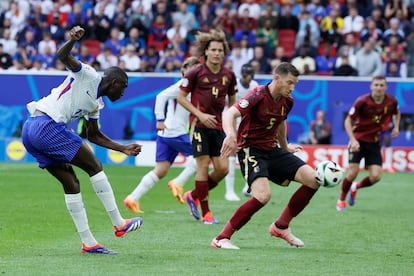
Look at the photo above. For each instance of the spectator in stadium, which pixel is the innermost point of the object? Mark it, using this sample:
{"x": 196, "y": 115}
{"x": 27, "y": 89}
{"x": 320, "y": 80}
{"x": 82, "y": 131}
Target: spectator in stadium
{"x": 6, "y": 59}
{"x": 369, "y": 61}
{"x": 245, "y": 32}
{"x": 325, "y": 62}
{"x": 304, "y": 63}
{"x": 208, "y": 98}
{"x": 374, "y": 5}
{"x": 133, "y": 37}
{"x": 353, "y": 22}
{"x": 172, "y": 139}
{"x": 15, "y": 19}
{"x": 150, "y": 59}
{"x": 320, "y": 131}
{"x": 345, "y": 68}
{"x": 100, "y": 23}
{"x": 262, "y": 154}
{"x": 158, "y": 33}
{"x": 238, "y": 59}
{"x": 393, "y": 6}
{"x": 131, "y": 59}
{"x": 56, "y": 30}
{"x": 84, "y": 56}
{"x": 225, "y": 20}
{"x": 48, "y": 58}
{"x": 327, "y": 26}
{"x": 278, "y": 57}
{"x": 364, "y": 124}
{"x": 371, "y": 31}
{"x": 114, "y": 41}
{"x": 267, "y": 36}
{"x": 139, "y": 14}
{"x": 57, "y": 149}
{"x": 170, "y": 60}
{"x": 205, "y": 18}
{"x": 9, "y": 44}
{"x": 269, "y": 11}
{"x": 107, "y": 59}
{"x": 261, "y": 59}
{"x": 317, "y": 9}
{"x": 185, "y": 17}
{"x": 253, "y": 8}
{"x": 287, "y": 21}
{"x": 345, "y": 51}
{"x": 308, "y": 28}
{"x": 22, "y": 59}
{"x": 46, "y": 41}
{"x": 394, "y": 30}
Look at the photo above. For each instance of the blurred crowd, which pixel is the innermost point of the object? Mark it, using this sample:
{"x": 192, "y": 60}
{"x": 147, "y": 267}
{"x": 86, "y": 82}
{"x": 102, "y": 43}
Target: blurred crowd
{"x": 320, "y": 37}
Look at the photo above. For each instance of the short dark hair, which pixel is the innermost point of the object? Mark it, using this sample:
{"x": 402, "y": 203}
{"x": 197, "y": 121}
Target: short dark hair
{"x": 285, "y": 68}
{"x": 379, "y": 77}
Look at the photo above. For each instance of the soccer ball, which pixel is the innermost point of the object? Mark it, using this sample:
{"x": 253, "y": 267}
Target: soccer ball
{"x": 328, "y": 173}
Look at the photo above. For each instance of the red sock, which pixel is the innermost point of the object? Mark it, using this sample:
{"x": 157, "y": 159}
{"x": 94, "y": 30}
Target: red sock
{"x": 346, "y": 184}
{"x": 201, "y": 192}
{"x": 240, "y": 217}
{"x": 299, "y": 200}
{"x": 364, "y": 183}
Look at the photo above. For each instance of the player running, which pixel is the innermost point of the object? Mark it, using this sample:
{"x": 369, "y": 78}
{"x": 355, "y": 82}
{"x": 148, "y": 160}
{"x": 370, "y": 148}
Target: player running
{"x": 172, "y": 139}
{"x": 364, "y": 124}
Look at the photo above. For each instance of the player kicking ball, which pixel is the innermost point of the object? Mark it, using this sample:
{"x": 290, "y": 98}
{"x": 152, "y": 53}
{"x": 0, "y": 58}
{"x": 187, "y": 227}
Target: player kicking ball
{"x": 56, "y": 148}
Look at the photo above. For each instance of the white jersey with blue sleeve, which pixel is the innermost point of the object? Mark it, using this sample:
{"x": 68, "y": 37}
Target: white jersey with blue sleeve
{"x": 168, "y": 109}
{"x": 242, "y": 90}
{"x": 78, "y": 96}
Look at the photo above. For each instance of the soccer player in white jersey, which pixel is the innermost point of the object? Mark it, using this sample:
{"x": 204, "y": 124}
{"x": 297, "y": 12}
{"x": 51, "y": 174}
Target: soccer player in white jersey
{"x": 245, "y": 83}
{"x": 57, "y": 148}
{"x": 172, "y": 138}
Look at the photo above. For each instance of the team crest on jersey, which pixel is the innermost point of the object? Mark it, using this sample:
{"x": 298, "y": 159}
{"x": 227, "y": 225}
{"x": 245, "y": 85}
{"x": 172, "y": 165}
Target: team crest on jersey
{"x": 224, "y": 80}
{"x": 205, "y": 80}
{"x": 185, "y": 82}
{"x": 243, "y": 103}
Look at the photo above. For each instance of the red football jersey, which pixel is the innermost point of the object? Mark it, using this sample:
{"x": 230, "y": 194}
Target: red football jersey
{"x": 209, "y": 91}
{"x": 260, "y": 118}
{"x": 370, "y": 118}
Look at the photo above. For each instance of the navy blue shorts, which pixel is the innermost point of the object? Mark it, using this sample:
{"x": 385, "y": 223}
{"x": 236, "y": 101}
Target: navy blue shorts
{"x": 168, "y": 148}
{"x": 49, "y": 142}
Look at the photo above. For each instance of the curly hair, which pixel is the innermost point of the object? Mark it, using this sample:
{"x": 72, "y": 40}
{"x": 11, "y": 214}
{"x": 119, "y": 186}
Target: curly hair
{"x": 204, "y": 40}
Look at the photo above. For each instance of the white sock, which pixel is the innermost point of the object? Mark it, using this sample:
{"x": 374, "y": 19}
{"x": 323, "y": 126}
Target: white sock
{"x": 388, "y": 158}
{"x": 77, "y": 211}
{"x": 147, "y": 182}
{"x": 230, "y": 177}
{"x": 104, "y": 191}
{"x": 245, "y": 188}
{"x": 189, "y": 171}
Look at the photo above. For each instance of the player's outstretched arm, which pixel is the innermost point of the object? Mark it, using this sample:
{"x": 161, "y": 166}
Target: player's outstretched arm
{"x": 64, "y": 55}
{"x": 99, "y": 138}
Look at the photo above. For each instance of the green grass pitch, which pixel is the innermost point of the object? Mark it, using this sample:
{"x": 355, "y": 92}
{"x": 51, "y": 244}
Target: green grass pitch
{"x": 37, "y": 236}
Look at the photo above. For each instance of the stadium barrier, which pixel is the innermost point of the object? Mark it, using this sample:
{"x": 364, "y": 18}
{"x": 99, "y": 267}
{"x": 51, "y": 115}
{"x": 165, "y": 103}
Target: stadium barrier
{"x": 397, "y": 158}
{"x": 135, "y": 110}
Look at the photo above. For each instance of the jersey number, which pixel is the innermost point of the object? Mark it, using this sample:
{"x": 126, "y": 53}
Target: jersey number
{"x": 271, "y": 123}
{"x": 215, "y": 92}
{"x": 197, "y": 136}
